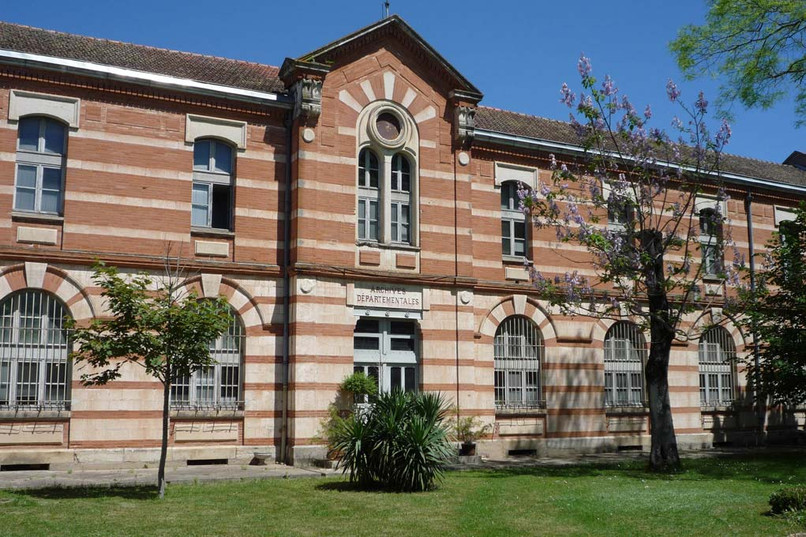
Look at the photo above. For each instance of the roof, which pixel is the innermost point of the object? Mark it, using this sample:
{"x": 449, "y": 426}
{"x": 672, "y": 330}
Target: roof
{"x": 326, "y": 53}
{"x": 198, "y": 67}
{"x": 551, "y": 130}
{"x": 265, "y": 78}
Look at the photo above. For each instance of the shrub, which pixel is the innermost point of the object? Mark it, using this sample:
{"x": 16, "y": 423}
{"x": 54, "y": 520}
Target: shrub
{"x": 788, "y": 499}
{"x": 469, "y": 429}
{"x": 359, "y": 384}
{"x": 400, "y": 442}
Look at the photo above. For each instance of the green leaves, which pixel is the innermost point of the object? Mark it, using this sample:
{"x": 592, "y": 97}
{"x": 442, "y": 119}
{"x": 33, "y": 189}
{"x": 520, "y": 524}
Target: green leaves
{"x": 400, "y": 442}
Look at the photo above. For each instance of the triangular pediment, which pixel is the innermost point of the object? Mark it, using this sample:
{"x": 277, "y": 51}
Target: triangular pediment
{"x": 394, "y": 26}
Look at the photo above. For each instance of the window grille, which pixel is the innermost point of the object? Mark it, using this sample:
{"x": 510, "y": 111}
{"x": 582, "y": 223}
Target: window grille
{"x": 518, "y": 348}
{"x": 513, "y": 221}
{"x": 34, "y": 371}
{"x": 717, "y": 354}
{"x": 217, "y": 386}
{"x": 624, "y": 357}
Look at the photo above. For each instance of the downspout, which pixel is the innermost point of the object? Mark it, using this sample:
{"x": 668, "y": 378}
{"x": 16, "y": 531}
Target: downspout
{"x": 456, "y": 277}
{"x": 761, "y": 410}
{"x": 286, "y": 288}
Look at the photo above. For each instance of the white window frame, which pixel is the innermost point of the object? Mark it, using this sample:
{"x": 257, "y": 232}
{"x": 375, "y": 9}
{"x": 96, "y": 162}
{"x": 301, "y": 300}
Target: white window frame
{"x": 15, "y": 352}
{"x": 41, "y": 160}
{"x": 227, "y": 351}
{"x": 511, "y": 217}
{"x": 368, "y": 195}
{"x": 710, "y": 239}
{"x": 382, "y": 361}
{"x": 512, "y": 387}
{"x": 717, "y": 373}
{"x": 208, "y": 178}
{"x": 625, "y": 354}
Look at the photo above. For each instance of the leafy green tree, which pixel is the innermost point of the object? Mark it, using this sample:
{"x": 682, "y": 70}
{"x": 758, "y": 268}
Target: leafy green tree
{"x": 155, "y": 324}
{"x": 776, "y": 312}
{"x": 758, "y": 47}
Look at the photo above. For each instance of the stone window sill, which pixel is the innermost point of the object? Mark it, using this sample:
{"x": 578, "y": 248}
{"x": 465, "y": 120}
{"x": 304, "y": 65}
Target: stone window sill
{"x": 212, "y": 232}
{"x": 640, "y": 410}
{"x": 38, "y": 218}
{"x": 206, "y": 414}
{"x": 34, "y": 415}
{"x": 388, "y": 246}
{"x": 516, "y": 412}
{"x": 515, "y": 259}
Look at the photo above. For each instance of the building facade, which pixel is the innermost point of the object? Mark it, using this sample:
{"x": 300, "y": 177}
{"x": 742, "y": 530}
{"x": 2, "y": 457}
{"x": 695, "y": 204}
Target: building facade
{"x": 358, "y": 209}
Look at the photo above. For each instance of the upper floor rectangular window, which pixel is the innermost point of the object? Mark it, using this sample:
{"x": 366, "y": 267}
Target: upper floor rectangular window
{"x": 212, "y": 199}
{"x": 40, "y": 163}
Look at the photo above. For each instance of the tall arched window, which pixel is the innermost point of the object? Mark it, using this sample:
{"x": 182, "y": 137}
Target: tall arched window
{"x": 518, "y": 348}
{"x": 386, "y": 349}
{"x": 217, "y": 386}
{"x": 513, "y": 222}
{"x": 368, "y": 195}
{"x": 624, "y": 358}
{"x": 41, "y": 155}
{"x": 34, "y": 371}
{"x": 717, "y": 358}
{"x": 212, "y": 184}
{"x": 387, "y": 176}
{"x": 711, "y": 241}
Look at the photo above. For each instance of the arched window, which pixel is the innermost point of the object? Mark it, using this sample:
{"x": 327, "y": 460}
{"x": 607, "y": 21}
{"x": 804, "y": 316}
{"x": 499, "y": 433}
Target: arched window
{"x": 513, "y": 221}
{"x": 41, "y": 154}
{"x": 217, "y": 386}
{"x": 518, "y": 357}
{"x": 386, "y": 349}
{"x": 212, "y": 184}
{"x": 387, "y": 176}
{"x": 624, "y": 357}
{"x": 368, "y": 195}
{"x": 717, "y": 357}
{"x": 400, "y": 203}
{"x": 34, "y": 371}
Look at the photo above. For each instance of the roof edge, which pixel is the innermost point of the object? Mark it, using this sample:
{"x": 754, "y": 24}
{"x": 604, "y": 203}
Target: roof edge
{"x": 122, "y": 74}
{"x": 396, "y": 20}
{"x": 512, "y": 140}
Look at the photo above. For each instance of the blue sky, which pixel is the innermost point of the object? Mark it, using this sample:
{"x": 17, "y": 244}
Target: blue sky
{"x": 517, "y": 52}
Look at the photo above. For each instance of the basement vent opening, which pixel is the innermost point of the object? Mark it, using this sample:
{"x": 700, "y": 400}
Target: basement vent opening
{"x": 206, "y": 462}
{"x": 522, "y": 453}
{"x": 723, "y": 444}
{"x": 630, "y": 448}
{"x": 23, "y": 467}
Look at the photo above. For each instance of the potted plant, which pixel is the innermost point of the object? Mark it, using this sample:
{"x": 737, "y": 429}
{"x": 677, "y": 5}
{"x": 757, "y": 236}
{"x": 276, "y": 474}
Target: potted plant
{"x": 467, "y": 430}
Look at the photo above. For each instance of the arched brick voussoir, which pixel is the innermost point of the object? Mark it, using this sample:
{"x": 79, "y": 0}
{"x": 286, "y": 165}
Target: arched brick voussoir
{"x": 517, "y": 305}
{"x": 51, "y": 279}
{"x": 237, "y": 297}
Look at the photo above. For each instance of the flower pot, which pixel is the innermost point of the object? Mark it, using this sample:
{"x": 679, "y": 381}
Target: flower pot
{"x": 467, "y": 449}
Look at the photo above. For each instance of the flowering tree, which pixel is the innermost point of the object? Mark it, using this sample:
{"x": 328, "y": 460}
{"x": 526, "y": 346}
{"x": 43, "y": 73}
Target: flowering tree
{"x": 658, "y": 241}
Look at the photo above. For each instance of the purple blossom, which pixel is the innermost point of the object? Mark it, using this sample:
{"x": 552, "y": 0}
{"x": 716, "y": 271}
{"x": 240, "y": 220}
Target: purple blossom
{"x": 648, "y": 112}
{"x": 701, "y": 104}
{"x": 568, "y": 97}
{"x": 608, "y": 87}
{"x": 724, "y": 134}
{"x": 672, "y": 91}
{"x": 584, "y": 66}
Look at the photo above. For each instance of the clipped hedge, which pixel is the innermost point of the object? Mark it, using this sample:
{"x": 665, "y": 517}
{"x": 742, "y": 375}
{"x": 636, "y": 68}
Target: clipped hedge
{"x": 788, "y": 499}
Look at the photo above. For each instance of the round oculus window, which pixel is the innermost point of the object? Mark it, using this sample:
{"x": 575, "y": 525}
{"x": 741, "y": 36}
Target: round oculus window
{"x": 388, "y": 126}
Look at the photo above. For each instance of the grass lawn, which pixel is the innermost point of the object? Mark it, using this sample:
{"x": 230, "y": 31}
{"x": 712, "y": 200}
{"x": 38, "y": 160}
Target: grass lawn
{"x": 712, "y": 497}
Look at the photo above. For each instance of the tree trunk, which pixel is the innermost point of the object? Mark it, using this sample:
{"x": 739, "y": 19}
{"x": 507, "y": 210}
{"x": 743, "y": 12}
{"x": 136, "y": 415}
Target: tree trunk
{"x": 663, "y": 456}
{"x": 166, "y": 413}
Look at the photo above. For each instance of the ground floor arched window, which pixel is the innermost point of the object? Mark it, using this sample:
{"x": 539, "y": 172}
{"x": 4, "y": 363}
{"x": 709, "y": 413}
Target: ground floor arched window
{"x": 34, "y": 370}
{"x": 518, "y": 357}
{"x": 624, "y": 357}
{"x": 717, "y": 356}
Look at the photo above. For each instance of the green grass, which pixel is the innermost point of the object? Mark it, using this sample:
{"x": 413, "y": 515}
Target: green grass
{"x": 711, "y": 497}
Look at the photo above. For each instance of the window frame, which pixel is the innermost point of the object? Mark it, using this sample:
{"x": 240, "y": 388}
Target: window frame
{"x": 196, "y": 380}
{"x": 385, "y": 358}
{"x": 710, "y": 239}
{"x": 716, "y": 375}
{"x": 629, "y": 368}
{"x": 40, "y": 160}
{"x": 210, "y": 178}
{"x": 524, "y": 329}
{"x": 45, "y": 352}
{"x": 511, "y": 218}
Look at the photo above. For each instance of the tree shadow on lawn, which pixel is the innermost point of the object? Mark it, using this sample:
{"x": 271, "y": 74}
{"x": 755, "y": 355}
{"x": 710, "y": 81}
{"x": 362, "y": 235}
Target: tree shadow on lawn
{"x": 71, "y": 493}
{"x": 761, "y": 467}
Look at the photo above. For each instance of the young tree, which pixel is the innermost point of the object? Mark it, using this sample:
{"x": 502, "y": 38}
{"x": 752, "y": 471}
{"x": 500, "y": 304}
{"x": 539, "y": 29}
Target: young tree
{"x": 757, "y": 46}
{"x": 645, "y": 257}
{"x": 156, "y": 325}
{"x": 776, "y": 312}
